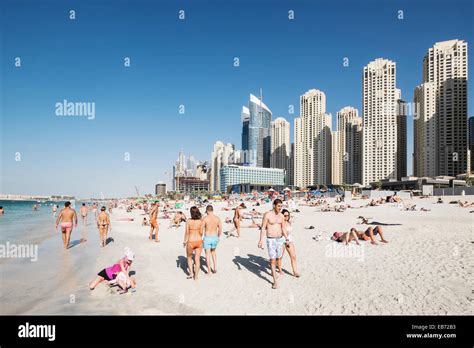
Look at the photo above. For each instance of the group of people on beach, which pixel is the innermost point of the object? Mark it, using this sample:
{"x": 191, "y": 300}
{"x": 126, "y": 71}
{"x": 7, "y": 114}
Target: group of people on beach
{"x": 68, "y": 219}
{"x": 204, "y": 233}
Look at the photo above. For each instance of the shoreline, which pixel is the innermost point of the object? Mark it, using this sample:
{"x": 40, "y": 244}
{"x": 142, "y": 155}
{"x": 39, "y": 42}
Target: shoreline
{"x": 423, "y": 270}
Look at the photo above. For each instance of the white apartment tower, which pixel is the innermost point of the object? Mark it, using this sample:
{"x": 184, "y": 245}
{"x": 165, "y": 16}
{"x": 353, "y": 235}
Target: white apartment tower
{"x": 280, "y": 144}
{"x": 379, "y": 132}
{"x": 349, "y": 128}
{"x": 312, "y": 134}
{"x": 440, "y": 125}
{"x": 336, "y": 176}
{"x": 220, "y": 156}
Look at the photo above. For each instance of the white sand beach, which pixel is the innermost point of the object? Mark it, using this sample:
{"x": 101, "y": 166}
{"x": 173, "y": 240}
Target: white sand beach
{"x": 426, "y": 268}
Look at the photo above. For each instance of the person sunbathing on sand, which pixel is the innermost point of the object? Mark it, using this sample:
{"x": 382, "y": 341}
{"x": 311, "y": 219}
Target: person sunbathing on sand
{"x": 253, "y": 225}
{"x": 177, "y": 219}
{"x": 370, "y": 233}
{"x": 345, "y": 237}
{"x": 465, "y": 204}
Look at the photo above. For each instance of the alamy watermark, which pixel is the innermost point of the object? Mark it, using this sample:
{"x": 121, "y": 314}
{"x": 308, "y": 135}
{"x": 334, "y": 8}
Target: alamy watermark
{"x": 67, "y": 108}
{"x": 345, "y": 251}
{"x": 25, "y": 251}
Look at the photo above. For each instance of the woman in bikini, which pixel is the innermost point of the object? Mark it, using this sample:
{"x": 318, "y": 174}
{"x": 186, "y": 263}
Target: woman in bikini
{"x": 345, "y": 237}
{"x": 289, "y": 246}
{"x": 193, "y": 242}
{"x": 103, "y": 224}
{"x": 237, "y": 219}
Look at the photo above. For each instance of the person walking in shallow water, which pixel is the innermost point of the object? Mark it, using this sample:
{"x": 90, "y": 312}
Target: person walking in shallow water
{"x": 104, "y": 226}
{"x": 84, "y": 210}
{"x": 67, "y": 217}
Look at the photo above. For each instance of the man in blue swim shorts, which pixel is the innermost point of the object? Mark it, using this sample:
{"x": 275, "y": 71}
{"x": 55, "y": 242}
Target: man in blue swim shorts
{"x": 212, "y": 233}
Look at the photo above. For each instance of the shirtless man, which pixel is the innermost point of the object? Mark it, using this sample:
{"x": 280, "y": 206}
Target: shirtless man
{"x": 153, "y": 222}
{"x": 104, "y": 226}
{"x": 370, "y": 234}
{"x": 212, "y": 231}
{"x": 274, "y": 226}
{"x": 2, "y": 211}
{"x": 67, "y": 216}
{"x": 84, "y": 210}
{"x": 111, "y": 205}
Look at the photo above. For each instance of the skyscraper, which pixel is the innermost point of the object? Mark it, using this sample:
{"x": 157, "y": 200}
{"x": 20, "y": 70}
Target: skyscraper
{"x": 471, "y": 142}
{"x": 349, "y": 127}
{"x": 424, "y": 131}
{"x": 260, "y": 118}
{"x": 336, "y": 175}
{"x": 312, "y": 165}
{"x": 379, "y": 132}
{"x": 221, "y": 155}
{"x": 245, "y": 127}
{"x": 442, "y": 115}
{"x": 291, "y": 166}
{"x": 191, "y": 166}
{"x": 280, "y": 144}
{"x": 401, "y": 138}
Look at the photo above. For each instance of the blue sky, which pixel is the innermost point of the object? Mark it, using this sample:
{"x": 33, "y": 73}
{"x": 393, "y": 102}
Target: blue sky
{"x": 186, "y": 62}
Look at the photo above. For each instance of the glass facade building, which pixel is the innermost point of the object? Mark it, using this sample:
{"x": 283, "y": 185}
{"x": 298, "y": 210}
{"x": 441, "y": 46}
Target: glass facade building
{"x": 259, "y": 146}
{"x": 245, "y": 179}
{"x": 245, "y": 128}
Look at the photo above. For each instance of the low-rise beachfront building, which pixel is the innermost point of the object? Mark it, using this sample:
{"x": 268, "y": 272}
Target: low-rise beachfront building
{"x": 160, "y": 189}
{"x": 441, "y": 185}
{"x": 239, "y": 179}
{"x": 188, "y": 184}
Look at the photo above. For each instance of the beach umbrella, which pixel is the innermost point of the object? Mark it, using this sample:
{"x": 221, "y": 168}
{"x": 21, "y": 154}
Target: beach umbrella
{"x": 286, "y": 189}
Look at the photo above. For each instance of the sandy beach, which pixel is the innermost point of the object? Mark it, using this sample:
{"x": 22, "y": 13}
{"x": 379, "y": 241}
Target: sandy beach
{"x": 426, "y": 268}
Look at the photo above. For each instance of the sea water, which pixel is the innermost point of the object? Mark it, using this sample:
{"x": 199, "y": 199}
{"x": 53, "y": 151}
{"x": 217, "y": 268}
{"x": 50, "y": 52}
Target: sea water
{"x": 20, "y": 223}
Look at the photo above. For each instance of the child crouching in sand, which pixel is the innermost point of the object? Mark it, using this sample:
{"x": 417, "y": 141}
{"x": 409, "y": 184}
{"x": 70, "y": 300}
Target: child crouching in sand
{"x": 117, "y": 273}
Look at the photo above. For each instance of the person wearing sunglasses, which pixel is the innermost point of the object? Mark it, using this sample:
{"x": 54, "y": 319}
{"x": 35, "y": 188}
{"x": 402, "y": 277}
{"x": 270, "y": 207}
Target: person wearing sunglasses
{"x": 290, "y": 247}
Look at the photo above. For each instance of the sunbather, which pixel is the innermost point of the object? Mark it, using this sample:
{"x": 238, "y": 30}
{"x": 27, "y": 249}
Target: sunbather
{"x": 345, "y": 237}
{"x": 370, "y": 233}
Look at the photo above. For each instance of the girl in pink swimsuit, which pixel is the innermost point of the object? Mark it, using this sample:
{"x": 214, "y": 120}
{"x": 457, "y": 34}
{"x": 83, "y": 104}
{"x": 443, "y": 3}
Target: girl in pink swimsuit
{"x": 110, "y": 273}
